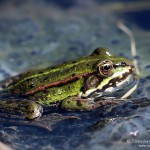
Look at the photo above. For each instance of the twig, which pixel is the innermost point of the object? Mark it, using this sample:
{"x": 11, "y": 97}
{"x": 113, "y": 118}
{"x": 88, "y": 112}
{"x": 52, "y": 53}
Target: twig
{"x": 133, "y": 45}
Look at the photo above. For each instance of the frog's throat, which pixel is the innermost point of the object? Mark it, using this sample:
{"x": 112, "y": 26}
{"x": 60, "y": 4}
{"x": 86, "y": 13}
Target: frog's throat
{"x": 122, "y": 78}
{"x": 128, "y": 93}
{"x": 57, "y": 83}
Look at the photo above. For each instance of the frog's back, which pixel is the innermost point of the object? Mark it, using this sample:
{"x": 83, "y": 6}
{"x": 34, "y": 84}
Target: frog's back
{"x": 60, "y": 75}
{"x": 54, "y": 76}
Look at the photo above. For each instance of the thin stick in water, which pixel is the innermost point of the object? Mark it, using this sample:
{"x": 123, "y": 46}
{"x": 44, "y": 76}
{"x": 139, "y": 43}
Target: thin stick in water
{"x": 133, "y": 45}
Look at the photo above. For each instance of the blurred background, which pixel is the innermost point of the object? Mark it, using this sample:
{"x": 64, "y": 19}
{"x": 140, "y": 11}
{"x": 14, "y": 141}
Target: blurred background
{"x": 45, "y": 32}
{"x": 40, "y": 33}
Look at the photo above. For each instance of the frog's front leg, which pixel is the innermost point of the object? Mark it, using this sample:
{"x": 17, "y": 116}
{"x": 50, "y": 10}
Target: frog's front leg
{"x": 80, "y": 104}
{"x": 29, "y": 108}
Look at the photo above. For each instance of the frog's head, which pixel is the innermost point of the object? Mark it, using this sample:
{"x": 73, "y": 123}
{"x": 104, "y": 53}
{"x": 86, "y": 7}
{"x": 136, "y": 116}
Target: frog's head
{"x": 115, "y": 76}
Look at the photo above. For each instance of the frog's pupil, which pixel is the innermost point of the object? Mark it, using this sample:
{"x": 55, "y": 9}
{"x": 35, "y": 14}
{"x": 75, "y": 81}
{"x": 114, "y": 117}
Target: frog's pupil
{"x": 106, "y": 67}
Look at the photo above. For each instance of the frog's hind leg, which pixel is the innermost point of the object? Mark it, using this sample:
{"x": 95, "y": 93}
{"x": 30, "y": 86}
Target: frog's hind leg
{"x": 29, "y": 108}
{"x": 80, "y": 104}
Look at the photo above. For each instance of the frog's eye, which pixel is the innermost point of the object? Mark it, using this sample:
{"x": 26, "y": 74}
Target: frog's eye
{"x": 106, "y": 68}
{"x": 123, "y": 63}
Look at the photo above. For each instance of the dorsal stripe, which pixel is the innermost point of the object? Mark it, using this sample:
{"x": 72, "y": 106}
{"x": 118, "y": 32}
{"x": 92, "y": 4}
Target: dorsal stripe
{"x": 57, "y": 83}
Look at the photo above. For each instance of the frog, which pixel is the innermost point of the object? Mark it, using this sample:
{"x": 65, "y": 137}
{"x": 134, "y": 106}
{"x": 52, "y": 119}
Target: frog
{"x": 84, "y": 84}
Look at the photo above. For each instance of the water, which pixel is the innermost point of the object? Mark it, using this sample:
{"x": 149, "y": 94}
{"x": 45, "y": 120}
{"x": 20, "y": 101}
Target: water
{"x": 42, "y": 33}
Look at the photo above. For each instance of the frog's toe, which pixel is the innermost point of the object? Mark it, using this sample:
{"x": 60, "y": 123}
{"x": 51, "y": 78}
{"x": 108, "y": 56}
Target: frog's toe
{"x": 34, "y": 111}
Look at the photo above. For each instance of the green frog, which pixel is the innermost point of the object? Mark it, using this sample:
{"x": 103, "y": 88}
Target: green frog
{"x": 84, "y": 84}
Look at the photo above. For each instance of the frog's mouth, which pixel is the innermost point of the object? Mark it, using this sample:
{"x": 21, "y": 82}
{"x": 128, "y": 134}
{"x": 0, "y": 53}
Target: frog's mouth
{"x": 122, "y": 89}
{"x": 121, "y": 85}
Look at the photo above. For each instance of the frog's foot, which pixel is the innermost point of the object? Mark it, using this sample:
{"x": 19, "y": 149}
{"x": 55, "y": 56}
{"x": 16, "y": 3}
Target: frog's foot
{"x": 30, "y": 109}
{"x": 33, "y": 110}
{"x": 80, "y": 104}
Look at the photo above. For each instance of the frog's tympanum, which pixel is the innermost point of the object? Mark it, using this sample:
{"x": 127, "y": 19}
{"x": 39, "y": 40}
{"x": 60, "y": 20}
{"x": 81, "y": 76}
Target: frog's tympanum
{"x": 79, "y": 85}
